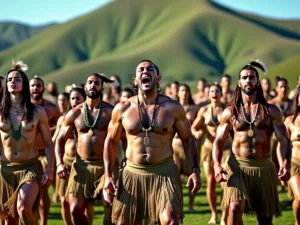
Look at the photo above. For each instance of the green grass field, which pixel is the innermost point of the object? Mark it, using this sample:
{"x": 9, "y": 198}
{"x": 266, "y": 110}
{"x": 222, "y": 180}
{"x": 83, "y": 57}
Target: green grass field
{"x": 202, "y": 214}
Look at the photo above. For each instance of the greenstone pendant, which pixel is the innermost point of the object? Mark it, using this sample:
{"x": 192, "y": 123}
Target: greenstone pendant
{"x": 16, "y": 134}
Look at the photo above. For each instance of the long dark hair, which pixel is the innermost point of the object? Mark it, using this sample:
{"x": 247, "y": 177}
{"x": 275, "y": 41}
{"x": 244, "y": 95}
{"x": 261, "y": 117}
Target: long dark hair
{"x": 295, "y": 104}
{"x": 190, "y": 100}
{"x": 25, "y": 100}
{"x": 237, "y": 100}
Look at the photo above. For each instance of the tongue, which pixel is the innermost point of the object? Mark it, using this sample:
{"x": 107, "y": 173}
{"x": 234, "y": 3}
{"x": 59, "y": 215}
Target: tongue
{"x": 146, "y": 84}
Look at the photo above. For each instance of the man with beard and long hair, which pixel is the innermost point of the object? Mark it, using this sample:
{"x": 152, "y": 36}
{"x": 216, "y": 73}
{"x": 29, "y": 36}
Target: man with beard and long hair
{"x": 149, "y": 188}
{"x": 36, "y": 92}
{"x": 90, "y": 120}
{"x": 21, "y": 176}
{"x": 292, "y": 124}
{"x": 250, "y": 172}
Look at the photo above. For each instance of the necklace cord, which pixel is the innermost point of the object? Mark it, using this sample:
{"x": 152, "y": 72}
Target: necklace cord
{"x": 153, "y": 115}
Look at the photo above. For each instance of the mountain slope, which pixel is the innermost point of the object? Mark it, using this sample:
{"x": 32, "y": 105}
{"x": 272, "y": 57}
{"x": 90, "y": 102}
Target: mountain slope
{"x": 13, "y": 33}
{"x": 187, "y": 39}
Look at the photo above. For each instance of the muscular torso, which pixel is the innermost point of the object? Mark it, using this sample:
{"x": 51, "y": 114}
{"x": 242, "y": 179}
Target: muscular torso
{"x": 160, "y": 136}
{"x": 52, "y": 113}
{"x": 259, "y": 145}
{"x": 24, "y": 148}
{"x": 91, "y": 147}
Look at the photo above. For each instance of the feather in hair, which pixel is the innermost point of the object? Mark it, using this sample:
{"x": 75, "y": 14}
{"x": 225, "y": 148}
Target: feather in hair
{"x": 258, "y": 63}
{"x": 19, "y": 65}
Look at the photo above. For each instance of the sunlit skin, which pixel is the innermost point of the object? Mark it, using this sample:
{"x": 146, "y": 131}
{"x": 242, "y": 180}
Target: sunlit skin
{"x": 199, "y": 96}
{"x": 292, "y": 92}
{"x": 266, "y": 86}
{"x": 293, "y": 130}
{"x": 203, "y": 118}
{"x": 257, "y": 147}
{"x": 167, "y": 123}
{"x": 76, "y": 98}
{"x": 125, "y": 95}
{"x": 226, "y": 92}
{"x": 24, "y": 149}
{"x": 52, "y": 111}
{"x": 62, "y": 103}
{"x": 88, "y": 147}
{"x": 174, "y": 91}
{"x": 191, "y": 113}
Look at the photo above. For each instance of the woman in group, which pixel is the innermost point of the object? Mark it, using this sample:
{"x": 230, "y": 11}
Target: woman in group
{"x": 77, "y": 96}
{"x": 209, "y": 116}
{"x": 184, "y": 165}
{"x": 292, "y": 124}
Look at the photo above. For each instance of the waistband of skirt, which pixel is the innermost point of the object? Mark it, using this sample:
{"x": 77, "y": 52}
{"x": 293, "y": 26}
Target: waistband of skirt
{"x": 82, "y": 161}
{"x": 150, "y": 168}
{"x": 20, "y": 165}
{"x": 250, "y": 161}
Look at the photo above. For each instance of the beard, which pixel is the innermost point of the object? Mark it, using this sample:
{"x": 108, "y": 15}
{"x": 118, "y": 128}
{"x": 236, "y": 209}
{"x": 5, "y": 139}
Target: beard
{"x": 37, "y": 97}
{"x": 249, "y": 91}
{"x": 97, "y": 94}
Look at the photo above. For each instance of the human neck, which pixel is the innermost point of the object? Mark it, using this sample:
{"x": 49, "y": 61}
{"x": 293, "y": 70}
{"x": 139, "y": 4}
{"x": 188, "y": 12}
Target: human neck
{"x": 147, "y": 98}
{"x": 249, "y": 99}
{"x": 215, "y": 102}
{"x": 37, "y": 102}
{"x": 281, "y": 98}
{"x": 92, "y": 103}
{"x": 183, "y": 102}
{"x": 16, "y": 99}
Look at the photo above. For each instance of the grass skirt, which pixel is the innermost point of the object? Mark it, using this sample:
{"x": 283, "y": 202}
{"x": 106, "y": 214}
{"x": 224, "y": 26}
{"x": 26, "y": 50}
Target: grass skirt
{"x": 295, "y": 171}
{"x": 12, "y": 176}
{"x": 86, "y": 179}
{"x": 145, "y": 191}
{"x": 62, "y": 184}
{"x": 253, "y": 180}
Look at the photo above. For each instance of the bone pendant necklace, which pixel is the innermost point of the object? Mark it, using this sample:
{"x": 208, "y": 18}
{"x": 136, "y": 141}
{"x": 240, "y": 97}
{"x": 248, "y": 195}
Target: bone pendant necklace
{"x": 146, "y": 139}
{"x": 250, "y": 131}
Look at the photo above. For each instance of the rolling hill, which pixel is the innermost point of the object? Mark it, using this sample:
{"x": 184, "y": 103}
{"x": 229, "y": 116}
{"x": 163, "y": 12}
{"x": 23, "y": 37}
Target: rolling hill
{"x": 187, "y": 39}
{"x": 13, "y": 33}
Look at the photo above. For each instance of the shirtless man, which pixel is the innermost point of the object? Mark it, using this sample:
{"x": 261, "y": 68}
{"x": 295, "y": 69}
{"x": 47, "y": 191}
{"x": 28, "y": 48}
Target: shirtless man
{"x": 21, "y": 176}
{"x": 150, "y": 121}
{"x": 77, "y": 96}
{"x": 286, "y": 107}
{"x": 226, "y": 91}
{"x": 251, "y": 174}
{"x": 36, "y": 92}
{"x": 90, "y": 120}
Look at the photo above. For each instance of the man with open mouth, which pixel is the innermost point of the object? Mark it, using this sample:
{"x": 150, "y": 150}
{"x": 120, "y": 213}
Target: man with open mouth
{"x": 149, "y": 188}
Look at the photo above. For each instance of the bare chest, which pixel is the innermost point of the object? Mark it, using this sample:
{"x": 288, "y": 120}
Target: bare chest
{"x": 83, "y": 122}
{"x": 162, "y": 120}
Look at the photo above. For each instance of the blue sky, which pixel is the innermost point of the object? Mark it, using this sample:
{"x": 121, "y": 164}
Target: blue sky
{"x": 36, "y": 12}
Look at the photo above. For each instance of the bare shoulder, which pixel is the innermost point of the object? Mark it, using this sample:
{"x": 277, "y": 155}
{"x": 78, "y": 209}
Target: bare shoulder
{"x": 49, "y": 104}
{"x": 73, "y": 114}
{"x": 107, "y": 106}
{"x": 226, "y": 114}
{"x": 272, "y": 101}
{"x": 288, "y": 120}
{"x": 274, "y": 112}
